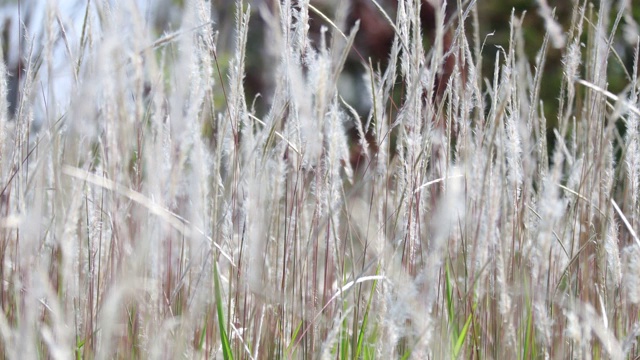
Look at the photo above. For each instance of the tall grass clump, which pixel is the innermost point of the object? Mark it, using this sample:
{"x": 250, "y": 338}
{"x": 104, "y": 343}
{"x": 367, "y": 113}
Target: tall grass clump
{"x": 149, "y": 210}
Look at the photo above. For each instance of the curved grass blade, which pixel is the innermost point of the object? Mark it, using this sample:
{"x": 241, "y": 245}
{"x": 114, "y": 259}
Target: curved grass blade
{"x": 463, "y": 335}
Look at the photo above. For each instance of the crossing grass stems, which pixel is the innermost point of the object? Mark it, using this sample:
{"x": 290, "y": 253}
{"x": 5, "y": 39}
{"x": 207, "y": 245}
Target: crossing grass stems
{"x": 155, "y": 214}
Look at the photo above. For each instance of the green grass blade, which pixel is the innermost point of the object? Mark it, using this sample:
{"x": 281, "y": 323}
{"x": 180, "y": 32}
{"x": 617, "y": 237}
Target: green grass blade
{"x": 203, "y": 334}
{"x": 294, "y": 337}
{"x": 344, "y": 340}
{"x": 450, "y": 302}
{"x": 226, "y": 346}
{"x": 365, "y": 319}
{"x": 462, "y": 336}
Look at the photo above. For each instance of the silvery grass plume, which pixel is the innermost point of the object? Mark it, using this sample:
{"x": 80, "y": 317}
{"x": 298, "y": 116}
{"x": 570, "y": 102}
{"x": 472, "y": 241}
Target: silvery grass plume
{"x": 148, "y": 210}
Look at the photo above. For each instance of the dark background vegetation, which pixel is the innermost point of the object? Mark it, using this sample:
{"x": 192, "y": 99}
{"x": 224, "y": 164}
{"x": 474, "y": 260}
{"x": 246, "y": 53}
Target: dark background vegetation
{"x": 494, "y": 16}
{"x": 494, "y": 19}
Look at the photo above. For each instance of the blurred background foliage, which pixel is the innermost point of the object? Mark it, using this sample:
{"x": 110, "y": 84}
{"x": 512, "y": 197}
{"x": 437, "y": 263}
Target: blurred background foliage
{"x": 494, "y": 20}
{"x": 494, "y": 31}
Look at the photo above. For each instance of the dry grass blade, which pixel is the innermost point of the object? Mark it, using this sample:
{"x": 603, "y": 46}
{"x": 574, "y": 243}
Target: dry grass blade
{"x": 626, "y": 223}
{"x": 610, "y": 95}
{"x": 175, "y": 221}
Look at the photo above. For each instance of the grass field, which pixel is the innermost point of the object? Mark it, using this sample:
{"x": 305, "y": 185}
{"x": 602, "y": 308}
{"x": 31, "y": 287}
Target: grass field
{"x": 148, "y": 211}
